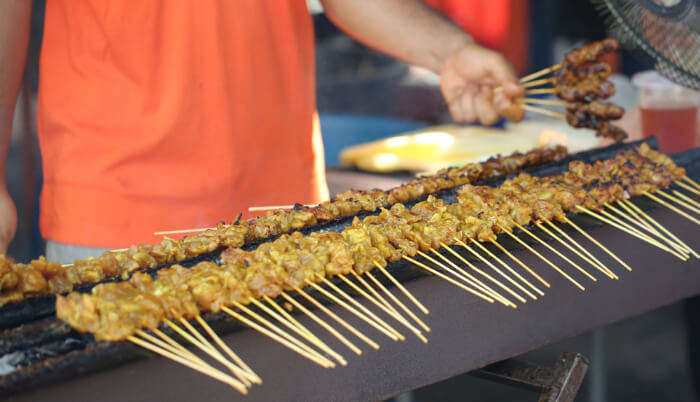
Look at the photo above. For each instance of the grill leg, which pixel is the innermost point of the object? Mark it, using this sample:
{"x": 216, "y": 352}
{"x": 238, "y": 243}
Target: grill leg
{"x": 568, "y": 374}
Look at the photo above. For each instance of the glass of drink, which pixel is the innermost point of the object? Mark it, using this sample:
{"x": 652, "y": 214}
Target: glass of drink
{"x": 669, "y": 111}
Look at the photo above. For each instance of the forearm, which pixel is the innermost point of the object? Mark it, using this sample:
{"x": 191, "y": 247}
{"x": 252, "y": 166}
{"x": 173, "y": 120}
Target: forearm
{"x": 14, "y": 37}
{"x": 406, "y": 29}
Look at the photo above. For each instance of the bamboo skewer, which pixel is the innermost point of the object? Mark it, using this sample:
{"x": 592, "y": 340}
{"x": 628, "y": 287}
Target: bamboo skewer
{"x": 179, "y": 350}
{"x": 548, "y": 102}
{"x": 361, "y": 307}
{"x": 540, "y": 73}
{"x": 471, "y": 279}
{"x": 522, "y": 264}
{"x": 377, "y": 296}
{"x": 447, "y": 278}
{"x": 537, "y": 82}
{"x": 204, "y": 346}
{"x": 631, "y": 231}
{"x": 320, "y": 359}
{"x": 565, "y": 244}
{"x": 540, "y": 110}
{"x": 487, "y": 276}
{"x": 252, "y": 375}
{"x": 692, "y": 182}
{"x": 180, "y": 231}
{"x": 382, "y": 304}
{"x": 597, "y": 243}
{"x": 687, "y": 187}
{"x": 300, "y": 330}
{"x": 402, "y": 288}
{"x": 275, "y": 337}
{"x": 601, "y": 267}
{"x": 398, "y": 302}
{"x": 635, "y": 218}
{"x": 447, "y": 269}
{"x": 335, "y": 317}
{"x": 210, "y": 372}
{"x": 508, "y": 278}
{"x": 271, "y": 207}
{"x": 555, "y": 251}
{"x": 678, "y": 201}
{"x": 660, "y": 227}
{"x": 543, "y": 258}
{"x": 322, "y": 323}
{"x": 379, "y": 327}
{"x": 686, "y": 198}
{"x": 511, "y": 270}
{"x": 539, "y": 91}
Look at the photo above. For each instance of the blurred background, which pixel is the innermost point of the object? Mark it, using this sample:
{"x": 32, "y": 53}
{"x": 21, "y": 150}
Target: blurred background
{"x": 364, "y": 96}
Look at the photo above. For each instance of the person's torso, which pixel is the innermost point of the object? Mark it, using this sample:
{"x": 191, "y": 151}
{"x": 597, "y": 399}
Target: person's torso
{"x": 159, "y": 114}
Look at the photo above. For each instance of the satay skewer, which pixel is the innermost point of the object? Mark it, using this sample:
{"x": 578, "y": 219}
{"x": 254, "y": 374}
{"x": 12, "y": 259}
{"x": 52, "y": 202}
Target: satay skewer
{"x": 540, "y": 73}
{"x": 687, "y": 187}
{"x": 401, "y": 288}
{"x": 633, "y": 217}
{"x": 447, "y": 278}
{"x": 238, "y": 386}
{"x": 686, "y": 198}
{"x": 678, "y": 201}
{"x": 522, "y": 264}
{"x": 583, "y": 253}
{"x": 540, "y": 91}
{"x": 597, "y": 243}
{"x": 692, "y": 182}
{"x": 543, "y": 111}
{"x": 471, "y": 279}
{"x": 537, "y": 82}
{"x": 671, "y": 207}
{"x": 548, "y": 102}
{"x": 398, "y": 302}
{"x": 556, "y": 268}
{"x": 507, "y": 267}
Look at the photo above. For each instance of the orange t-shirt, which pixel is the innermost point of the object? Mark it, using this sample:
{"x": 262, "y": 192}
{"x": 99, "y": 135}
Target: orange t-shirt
{"x": 160, "y": 114}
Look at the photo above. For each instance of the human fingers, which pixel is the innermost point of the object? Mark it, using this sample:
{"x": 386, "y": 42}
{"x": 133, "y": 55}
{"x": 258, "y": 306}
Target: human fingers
{"x": 484, "y": 107}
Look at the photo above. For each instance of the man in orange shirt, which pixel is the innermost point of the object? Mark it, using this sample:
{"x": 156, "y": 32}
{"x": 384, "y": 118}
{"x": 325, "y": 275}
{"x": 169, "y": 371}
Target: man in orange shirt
{"x": 158, "y": 114}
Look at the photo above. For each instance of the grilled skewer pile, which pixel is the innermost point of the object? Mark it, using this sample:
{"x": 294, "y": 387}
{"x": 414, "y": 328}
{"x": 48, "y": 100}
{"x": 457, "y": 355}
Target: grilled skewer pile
{"x": 39, "y": 277}
{"x": 118, "y": 311}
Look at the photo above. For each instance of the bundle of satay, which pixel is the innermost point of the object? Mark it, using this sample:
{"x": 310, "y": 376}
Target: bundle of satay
{"x": 580, "y": 81}
{"x": 242, "y": 282}
{"x": 39, "y": 277}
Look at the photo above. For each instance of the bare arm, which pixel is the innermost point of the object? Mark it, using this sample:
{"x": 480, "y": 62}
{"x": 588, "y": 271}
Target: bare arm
{"x": 14, "y": 37}
{"x": 413, "y": 32}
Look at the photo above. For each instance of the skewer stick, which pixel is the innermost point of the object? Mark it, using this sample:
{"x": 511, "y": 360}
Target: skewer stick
{"x": 597, "y": 243}
{"x": 548, "y": 102}
{"x": 206, "y": 348}
{"x": 485, "y": 274}
{"x": 537, "y": 82}
{"x": 363, "y": 317}
{"x": 641, "y": 235}
{"x": 522, "y": 264}
{"x": 540, "y": 110}
{"x": 622, "y": 226}
{"x": 508, "y": 278}
{"x": 360, "y": 306}
{"x": 252, "y": 375}
{"x": 183, "y": 351}
{"x": 539, "y": 91}
{"x": 377, "y": 296}
{"x": 311, "y": 356}
{"x": 300, "y": 330}
{"x": 383, "y": 305}
{"x": 687, "y": 187}
{"x": 177, "y": 349}
{"x": 511, "y": 270}
{"x": 180, "y": 231}
{"x": 331, "y": 314}
{"x": 443, "y": 267}
{"x": 322, "y": 323}
{"x": 555, "y": 251}
{"x": 271, "y": 207}
{"x": 692, "y": 182}
{"x": 678, "y": 201}
{"x": 638, "y": 220}
{"x": 447, "y": 278}
{"x": 556, "y": 268}
{"x": 206, "y": 371}
{"x": 540, "y": 73}
{"x": 326, "y": 362}
{"x": 671, "y": 207}
{"x": 586, "y": 256}
{"x": 686, "y": 198}
{"x": 398, "y": 302}
{"x": 471, "y": 279}
{"x": 402, "y": 288}
{"x": 660, "y": 227}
